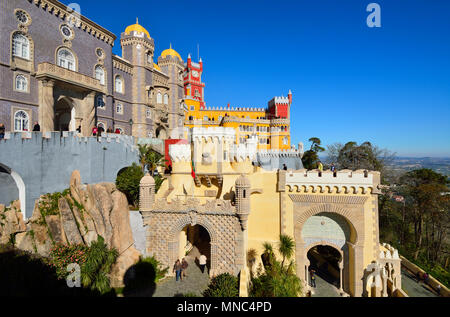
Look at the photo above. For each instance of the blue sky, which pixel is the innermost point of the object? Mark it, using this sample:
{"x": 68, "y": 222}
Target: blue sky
{"x": 388, "y": 85}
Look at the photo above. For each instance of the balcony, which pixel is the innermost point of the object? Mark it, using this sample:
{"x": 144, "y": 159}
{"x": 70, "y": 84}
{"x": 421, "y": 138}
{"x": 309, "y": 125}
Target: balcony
{"x": 52, "y": 71}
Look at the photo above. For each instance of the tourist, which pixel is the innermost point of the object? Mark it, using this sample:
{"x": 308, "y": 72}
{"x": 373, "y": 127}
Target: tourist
{"x": 320, "y": 167}
{"x": 313, "y": 278}
{"x": 284, "y": 167}
{"x": 418, "y": 276}
{"x": 333, "y": 168}
{"x": 37, "y": 127}
{"x": 2, "y": 131}
{"x": 184, "y": 266}
{"x": 94, "y": 131}
{"x": 100, "y": 130}
{"x": 438, "y": 290}
{"x": 79, "y": 129}
{"x": 202, "y": 262}
{"x": 110, "y": 130}
{"x": 426, "y": 278}
{"x": 177, "y": 269}
{"x": 117, "y": 131}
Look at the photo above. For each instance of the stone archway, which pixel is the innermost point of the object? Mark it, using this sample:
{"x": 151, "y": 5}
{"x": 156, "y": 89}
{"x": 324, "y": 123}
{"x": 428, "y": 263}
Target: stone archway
{"x": 17, "y": 179}
{"x": 192, "y": 219}
{"x": 350, "y": 242}
{"x": 65, "y": 115}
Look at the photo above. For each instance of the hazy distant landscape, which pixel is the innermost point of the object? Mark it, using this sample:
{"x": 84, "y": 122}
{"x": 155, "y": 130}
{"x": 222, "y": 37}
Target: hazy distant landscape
{"x": 404, "y": 164}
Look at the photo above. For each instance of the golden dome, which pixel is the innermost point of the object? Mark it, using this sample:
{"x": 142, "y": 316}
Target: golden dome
{"x": 171, "y": 52}
{"x": 137, "y": 28}
{"x": 156, "y": 66}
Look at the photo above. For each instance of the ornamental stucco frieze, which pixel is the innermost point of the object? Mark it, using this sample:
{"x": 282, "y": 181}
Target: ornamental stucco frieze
{"x": 177, "y": 205}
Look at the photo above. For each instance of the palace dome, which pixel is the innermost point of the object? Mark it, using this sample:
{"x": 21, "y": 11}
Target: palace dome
{"x": 156, "y": 66}
{"x": 171, "y": 52}
{"x": 242, "y": 181}
{"x": 147, "y": 180}
{"x": 137, "y": 28}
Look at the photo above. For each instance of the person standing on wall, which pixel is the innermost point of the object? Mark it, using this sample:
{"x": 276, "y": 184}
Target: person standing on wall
{"x": 37, "y": 127}
{"x": 2, "y": 131}
{"x": 202, "y": 262}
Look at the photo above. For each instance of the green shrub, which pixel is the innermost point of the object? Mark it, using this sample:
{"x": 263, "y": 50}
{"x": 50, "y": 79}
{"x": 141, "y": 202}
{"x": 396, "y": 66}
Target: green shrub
{"x": 223, "y": 285}
{"x": 128, "y": 181}
{"x": 160, "y": 272}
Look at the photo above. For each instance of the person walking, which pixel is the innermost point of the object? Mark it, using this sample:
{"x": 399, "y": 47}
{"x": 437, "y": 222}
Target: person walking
{"x": 2, "y": 131}
{"x": 313, "y": 278}
{"x": 177, "y": 270}
{"x": 37, "y": 127}
{"x": 184, "y": 266}
{"x": 202, "y": 262}
{"x": 426, "y": 278}
{"x": 94, "y": 131}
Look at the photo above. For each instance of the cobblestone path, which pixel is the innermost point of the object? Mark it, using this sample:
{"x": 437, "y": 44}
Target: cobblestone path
{"x": 324, "y": 289}
{"x": 195, "y": 282}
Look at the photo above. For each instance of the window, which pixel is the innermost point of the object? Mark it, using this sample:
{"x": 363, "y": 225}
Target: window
{"x": 119, "y": 108}
{"x": 166, "y": 99}
{"x": 100, "y": 74}
{"x": 66, "y": 59}
{"x": 285, "y": 141}
{"x": 119, "y": 84}
{"x": 21, "y": 121}
{"x": 100, "y": 102}
{"x": 149, "y": 114}
{"x": 159, "y": 98}
{"x": 149, "y": 57}
{"x": 21, "y": 83}
{"x": 220, "y": 118}
{"x": 192, "y": 108}
{"x": 21, "y": 46}
{"x": 205, "y": 118}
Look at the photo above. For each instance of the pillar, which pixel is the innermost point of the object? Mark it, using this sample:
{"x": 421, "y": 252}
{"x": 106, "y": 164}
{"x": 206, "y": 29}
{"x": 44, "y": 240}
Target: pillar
{"x": 46, "y": 105}
{"x": 89, "y": 114}
{"x": 341, "y": 268}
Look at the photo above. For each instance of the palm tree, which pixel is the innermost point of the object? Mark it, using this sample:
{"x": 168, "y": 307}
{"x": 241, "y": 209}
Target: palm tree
{"x": 286, "y": 247}
{"x": 150, "y": 158}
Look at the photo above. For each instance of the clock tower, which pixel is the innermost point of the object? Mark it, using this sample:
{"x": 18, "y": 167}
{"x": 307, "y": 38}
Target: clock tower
{"x": 194, "y": 89}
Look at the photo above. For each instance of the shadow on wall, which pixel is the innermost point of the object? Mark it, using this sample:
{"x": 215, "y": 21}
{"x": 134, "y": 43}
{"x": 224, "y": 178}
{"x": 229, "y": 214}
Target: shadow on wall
{"x": 22, "y": 274}
{"x": 139, "y": 280}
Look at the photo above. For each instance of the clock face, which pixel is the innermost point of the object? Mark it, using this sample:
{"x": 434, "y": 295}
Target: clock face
{"x": 195, "y": 73}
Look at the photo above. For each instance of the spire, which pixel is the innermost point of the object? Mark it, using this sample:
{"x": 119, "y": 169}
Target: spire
{"x": 170, "y": 45}
{"x": 137, "y": 20}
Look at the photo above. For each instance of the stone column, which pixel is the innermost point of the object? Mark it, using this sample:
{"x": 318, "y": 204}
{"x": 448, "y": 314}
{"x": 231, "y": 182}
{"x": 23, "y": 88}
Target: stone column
{"x": 358, "y": 269}
{"x": 341, "y": 267}
{"x": 89, "y": 114}
{"x": 46, "y": 105}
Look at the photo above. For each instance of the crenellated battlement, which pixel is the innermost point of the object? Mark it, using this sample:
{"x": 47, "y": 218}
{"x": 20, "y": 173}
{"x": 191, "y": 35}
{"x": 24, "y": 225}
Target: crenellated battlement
{"x": 349, "y": 182}
{"x": 242, "y": 152}
{"x": 212, "y": 134}
{"x": 180, "y": 152}
{"x": 279, "y": 153}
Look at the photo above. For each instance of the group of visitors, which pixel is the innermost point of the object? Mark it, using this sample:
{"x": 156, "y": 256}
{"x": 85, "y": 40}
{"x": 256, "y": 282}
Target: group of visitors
{"x": 97, "y": 131}
{"x": 36, "y": 128}
{"x": 180, "y": 267}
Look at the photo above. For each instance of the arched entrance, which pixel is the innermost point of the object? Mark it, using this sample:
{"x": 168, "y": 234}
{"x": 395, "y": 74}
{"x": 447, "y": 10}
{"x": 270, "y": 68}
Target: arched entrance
{"x": 161, "y": 133}
{"x": 326, "y": 261}
{"x": 12, "y": 187}
{"x": 65, "y": 115}
{"x": 195, "y": 241}
{"x": 324, "y": 239}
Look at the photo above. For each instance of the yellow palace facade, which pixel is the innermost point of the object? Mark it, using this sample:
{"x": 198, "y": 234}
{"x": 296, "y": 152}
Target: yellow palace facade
{"x": 271, "y": 125}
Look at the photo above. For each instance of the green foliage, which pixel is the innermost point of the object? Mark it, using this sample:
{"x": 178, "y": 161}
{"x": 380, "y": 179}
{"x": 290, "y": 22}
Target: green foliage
{"x": 95, "y": 271}
{"x": 223, "y": 285}
{"x": 277, "y": 279}
{"x": 310, "y": 158}
{"x": 128, "y": 182}
{"x": 49, "y": 204}
{"x": 160, "y": 271}
{"x": 150, "y": 158}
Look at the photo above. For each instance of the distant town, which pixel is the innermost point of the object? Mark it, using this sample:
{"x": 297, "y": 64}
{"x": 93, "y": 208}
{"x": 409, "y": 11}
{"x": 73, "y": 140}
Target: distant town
{"x": 404, "y": 164}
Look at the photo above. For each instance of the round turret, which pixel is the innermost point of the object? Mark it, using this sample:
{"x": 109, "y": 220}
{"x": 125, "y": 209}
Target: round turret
{"x": 146, "y": 193}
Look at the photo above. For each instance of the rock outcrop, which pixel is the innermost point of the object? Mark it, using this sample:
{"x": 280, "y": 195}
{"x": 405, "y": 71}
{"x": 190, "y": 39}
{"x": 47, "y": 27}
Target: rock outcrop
{"x": 76, "y": 216}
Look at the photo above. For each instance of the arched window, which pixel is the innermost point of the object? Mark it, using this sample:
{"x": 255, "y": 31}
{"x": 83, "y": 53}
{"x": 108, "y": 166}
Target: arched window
{"x": 100, "y": 102}
{"x": 119, "y": 108}
{"x": 159, "y": 98}
{"x": 66, "y": 59}
{"x": 166, "y": 99}
{"x": 21, "y": 83}
{"x": 21, "y": 46}
{"x": 119, "y": 84}
{"x": 100, "y": 74}
{"x": 21, "y": 121}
